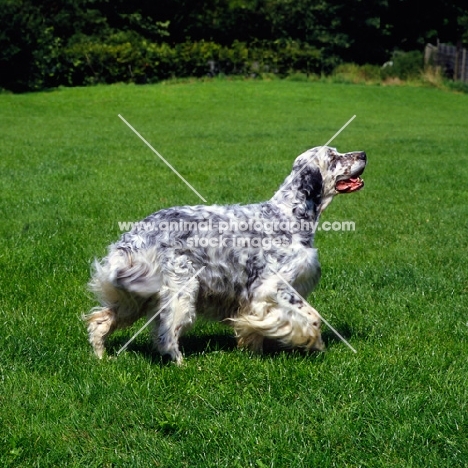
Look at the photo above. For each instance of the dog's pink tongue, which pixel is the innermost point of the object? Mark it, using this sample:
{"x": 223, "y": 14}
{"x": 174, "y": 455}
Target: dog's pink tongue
{"x": 349, "y": 185}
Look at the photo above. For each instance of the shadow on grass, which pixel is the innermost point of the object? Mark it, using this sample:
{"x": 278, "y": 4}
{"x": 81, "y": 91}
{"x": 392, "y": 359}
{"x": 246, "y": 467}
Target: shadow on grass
{"x": 330, "y": 338}
{"x": 196, "y": 344}
{"x": 190, "y": 345}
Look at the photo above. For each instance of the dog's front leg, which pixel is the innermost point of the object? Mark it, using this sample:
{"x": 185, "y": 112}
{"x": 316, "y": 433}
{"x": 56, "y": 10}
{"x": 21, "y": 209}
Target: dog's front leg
{"x": 276, "y": 311}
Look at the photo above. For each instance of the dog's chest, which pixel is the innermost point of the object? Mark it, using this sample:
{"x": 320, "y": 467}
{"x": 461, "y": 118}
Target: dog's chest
{"x": 308, "y": 270}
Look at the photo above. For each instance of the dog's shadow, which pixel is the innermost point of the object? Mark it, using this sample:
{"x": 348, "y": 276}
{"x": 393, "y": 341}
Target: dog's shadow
{"x": 330, "y": 338}
{"x": 195, "y": 344}
{"x": 190, "y": 345}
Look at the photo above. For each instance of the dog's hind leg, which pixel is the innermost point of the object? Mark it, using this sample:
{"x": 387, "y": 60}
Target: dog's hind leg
{"x": 126, "y": 284}
{"x": 100, "y": 323}
{"x": 177, "y": 301}
{"x": 177, "y": 313}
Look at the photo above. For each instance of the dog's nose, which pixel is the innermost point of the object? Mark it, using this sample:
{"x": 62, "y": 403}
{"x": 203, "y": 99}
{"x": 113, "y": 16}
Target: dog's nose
{"x": 362, "y": 155}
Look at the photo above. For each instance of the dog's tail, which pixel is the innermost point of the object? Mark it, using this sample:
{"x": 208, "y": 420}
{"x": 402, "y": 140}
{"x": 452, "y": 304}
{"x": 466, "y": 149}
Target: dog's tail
{"x": 123, "y": 282}
{"x": 129, "y": 271}
{"x": 126, "y": 283}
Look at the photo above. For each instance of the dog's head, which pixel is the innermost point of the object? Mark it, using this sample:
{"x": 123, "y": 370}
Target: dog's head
{"x": 340, "y": 172}
{"x": 319, "y": 174}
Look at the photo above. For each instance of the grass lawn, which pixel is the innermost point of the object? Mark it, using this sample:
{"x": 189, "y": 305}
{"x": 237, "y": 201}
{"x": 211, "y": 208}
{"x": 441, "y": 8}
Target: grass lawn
{"x": 396, "y": 287}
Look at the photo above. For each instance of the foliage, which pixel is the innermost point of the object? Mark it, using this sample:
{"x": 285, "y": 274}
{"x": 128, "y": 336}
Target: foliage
{"x": 45, "y": 43}
{"x": 458, "y": 86}
{"x": 404, "y": 65}
{"x": 351, "y": 72}
{"x": 25, "y": 42}
{"x": 409, "y": 25}
{"x": 35, "y": 35}
{"x": 128, "y": 58}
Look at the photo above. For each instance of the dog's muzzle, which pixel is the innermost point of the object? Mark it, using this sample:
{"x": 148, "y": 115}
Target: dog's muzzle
{"x": 353, "y": 183}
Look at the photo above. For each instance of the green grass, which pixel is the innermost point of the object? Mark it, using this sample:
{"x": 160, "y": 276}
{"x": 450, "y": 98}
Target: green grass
{"x": 396, "y": 287}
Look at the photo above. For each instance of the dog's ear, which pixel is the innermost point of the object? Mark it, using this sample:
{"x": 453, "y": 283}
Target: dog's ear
{"x": 309, "y": 184}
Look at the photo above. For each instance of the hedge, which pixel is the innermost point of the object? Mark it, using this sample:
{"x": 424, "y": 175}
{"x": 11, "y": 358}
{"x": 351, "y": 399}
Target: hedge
{"x": 143, "y": 62}
{"x": 123, "y": 58}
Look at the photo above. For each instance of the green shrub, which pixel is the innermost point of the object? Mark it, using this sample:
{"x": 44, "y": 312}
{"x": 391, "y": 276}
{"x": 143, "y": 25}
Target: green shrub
{"x": 352, "y": 73}
{"x": 128, "y": 58}
{"x": 404, "y": 65}
{"x": 28, "y": 48}
{"x": 458, "y": 86}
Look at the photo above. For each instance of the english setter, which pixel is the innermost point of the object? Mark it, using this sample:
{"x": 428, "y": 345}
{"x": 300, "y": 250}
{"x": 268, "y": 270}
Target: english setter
{"x": 249, "y": 265}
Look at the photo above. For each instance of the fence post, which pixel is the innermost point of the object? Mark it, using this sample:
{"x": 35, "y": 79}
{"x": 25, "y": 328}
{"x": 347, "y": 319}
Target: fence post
{"x": 463, "y": 66}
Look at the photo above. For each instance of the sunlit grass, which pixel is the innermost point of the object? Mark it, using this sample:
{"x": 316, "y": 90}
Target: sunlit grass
{"x": 396, "y": 287}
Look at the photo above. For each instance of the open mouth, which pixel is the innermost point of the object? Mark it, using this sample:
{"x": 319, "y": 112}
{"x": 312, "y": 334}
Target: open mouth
{"x": 353, "y": 184}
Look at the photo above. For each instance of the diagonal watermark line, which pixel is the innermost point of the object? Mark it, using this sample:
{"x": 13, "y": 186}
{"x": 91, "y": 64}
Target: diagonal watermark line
{"x": 160, "y": 310}
{"x": 340, "y": 130}
{"x": 161, "y": 157}
{"x": 323, "y": 320}
{"x": 326, "y": 144}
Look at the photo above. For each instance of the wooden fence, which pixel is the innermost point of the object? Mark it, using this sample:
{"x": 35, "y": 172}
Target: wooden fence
{"x": 452, "y": 60}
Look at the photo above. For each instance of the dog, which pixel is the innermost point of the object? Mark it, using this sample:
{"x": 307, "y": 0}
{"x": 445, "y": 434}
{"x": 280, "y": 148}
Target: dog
{"x": 248, "y": 265}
